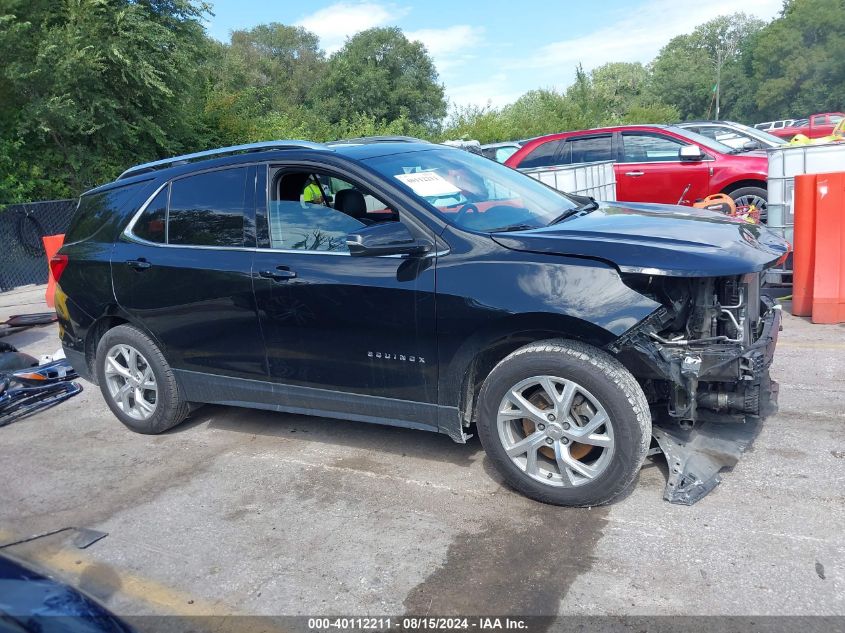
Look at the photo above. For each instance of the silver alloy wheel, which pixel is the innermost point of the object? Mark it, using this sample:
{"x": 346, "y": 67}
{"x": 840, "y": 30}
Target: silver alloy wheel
{"x": 759, "y": 203}
{"x": 131, "y": 382}
{"x": 555, "y": 431}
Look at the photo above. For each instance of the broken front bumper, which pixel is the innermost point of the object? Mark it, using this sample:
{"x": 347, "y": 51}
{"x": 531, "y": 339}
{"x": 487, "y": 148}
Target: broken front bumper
{"x": 707, "y": 400}
{"x": 696, "y": 454}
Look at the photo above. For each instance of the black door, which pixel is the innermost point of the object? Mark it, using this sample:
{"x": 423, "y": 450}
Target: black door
{"x": 337, "y": 323}
{"x": 183, "y": 273}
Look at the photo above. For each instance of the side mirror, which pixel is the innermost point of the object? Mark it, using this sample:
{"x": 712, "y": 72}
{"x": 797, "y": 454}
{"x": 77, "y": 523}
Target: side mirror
{"x": 386, "y": 238}
{"x": 752, "y": 145}
{"x": 690, "y": 153}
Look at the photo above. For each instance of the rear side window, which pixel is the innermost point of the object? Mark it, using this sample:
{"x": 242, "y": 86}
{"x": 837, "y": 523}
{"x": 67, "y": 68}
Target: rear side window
{"x": 208, "y": 209}
{"x": 100, "y": 210}
{"x": 590, "y": 150}
{"x": 151, "y": 225}
{"x": 542, "y": 156}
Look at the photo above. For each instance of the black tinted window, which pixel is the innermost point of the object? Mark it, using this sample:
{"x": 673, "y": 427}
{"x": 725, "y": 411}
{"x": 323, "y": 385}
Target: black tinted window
{"x": 590, "y": 150}
{"x": 208, "y": 209}
{"x": 150, "y": 226}
{"x": 542, "y": 156}
{"x": 100, "y": 210}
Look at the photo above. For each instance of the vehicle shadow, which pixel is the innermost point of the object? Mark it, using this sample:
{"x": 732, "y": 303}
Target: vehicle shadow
{"x": 331, "y": 431}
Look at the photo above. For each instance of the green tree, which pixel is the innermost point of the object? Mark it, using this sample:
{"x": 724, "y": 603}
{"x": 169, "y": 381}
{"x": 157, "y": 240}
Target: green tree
{"x": 687, "y": 70}
{"x": 380, "y": 74}
{"x": 90, "y": 86}
{"x": 280, "y": 64}
{"x": 797, "y": 64}
{"x": 480, "y": 123}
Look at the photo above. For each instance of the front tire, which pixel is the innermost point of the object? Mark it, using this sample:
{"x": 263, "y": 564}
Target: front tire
{"x": 564, "y": 423}
{"x": 137, "y": 382}
{"x": 757, "y": 196}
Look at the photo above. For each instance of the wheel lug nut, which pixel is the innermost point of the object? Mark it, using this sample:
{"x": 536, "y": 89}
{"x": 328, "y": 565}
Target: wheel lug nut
{"x": 549, "y": 440}
{"x": 566, "y": 426}
{"x": 542, "y": 427}
{"x": 563, "y": 440}
{"x": 551, "y": 417}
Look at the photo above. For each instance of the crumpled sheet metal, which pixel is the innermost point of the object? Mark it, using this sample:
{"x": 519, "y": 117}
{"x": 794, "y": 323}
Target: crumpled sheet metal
{"x": 696, "y": 456}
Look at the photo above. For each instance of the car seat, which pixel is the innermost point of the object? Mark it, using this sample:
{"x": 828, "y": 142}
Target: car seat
{"x": 352, "y": 203}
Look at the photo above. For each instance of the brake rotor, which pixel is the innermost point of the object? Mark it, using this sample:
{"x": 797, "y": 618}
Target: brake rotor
{"x": 578, "y": 451}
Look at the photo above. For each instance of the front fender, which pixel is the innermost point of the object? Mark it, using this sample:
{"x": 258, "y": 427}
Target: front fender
{"x": 548, "y": 296}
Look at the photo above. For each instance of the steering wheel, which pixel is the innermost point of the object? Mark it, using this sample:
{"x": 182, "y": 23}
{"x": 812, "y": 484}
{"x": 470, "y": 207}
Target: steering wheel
{"x": 466, "y": 208}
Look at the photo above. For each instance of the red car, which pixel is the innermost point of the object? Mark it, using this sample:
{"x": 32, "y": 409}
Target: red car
{"x": 656, "y": 163}
{"x": 816, "y": 126}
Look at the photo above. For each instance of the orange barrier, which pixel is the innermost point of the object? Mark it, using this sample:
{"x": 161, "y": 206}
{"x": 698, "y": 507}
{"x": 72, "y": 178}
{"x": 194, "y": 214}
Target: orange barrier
{"x": 804, "y": 255}
{"x": 829, "y": 267}
{"x": 52, "y": 244}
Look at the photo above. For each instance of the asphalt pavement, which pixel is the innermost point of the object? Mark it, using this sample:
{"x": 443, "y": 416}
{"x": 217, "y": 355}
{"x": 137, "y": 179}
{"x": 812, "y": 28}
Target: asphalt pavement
{"x": 249, "y": 512}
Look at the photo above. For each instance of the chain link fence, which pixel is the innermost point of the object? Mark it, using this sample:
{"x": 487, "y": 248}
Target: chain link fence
{"x": 22, "y": 257}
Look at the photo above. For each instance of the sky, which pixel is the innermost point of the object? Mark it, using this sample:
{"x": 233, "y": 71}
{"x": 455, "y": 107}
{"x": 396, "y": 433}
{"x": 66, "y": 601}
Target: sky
{"x": 493, "y": 51}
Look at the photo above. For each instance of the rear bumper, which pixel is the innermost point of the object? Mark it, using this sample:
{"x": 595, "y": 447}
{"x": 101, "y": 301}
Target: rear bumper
{"x": 78, "y": 361}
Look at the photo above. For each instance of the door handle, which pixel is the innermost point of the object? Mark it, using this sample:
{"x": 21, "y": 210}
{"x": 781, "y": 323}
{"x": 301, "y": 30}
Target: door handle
{"x": 139, "y": 264}
{"x": 634, "y": 173}
{"x": 280, "y": 273}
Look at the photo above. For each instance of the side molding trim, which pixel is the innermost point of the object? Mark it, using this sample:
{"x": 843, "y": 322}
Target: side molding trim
{"x": 272, "y": 396}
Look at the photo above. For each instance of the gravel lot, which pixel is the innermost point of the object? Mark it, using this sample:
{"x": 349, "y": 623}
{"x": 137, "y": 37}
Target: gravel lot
{"x": 250, "y": 512}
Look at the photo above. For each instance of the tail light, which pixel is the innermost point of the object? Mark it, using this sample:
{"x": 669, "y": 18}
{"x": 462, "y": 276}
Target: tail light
{"x": 58, "y": 263}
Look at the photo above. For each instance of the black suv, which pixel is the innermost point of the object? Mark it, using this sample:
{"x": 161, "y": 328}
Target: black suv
{"x": 416, "y": 285}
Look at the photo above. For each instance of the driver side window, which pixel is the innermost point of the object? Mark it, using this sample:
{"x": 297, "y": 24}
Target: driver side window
{"x": 649, "y": 148}
{"x": 315, "y": 211}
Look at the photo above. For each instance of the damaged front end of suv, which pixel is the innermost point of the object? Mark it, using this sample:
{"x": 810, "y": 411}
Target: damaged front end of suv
{"x": 703, "y": 361}
{"x": 702, "y": 356}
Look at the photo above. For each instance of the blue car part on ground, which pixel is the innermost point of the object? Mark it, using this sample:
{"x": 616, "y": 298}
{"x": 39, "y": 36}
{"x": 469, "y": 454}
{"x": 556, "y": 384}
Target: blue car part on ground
{"x": 31, "y": 601}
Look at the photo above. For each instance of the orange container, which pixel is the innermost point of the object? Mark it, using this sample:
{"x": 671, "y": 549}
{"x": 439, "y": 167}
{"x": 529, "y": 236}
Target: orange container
{"x": 804, "y": 252}
{"x": 52, "y": 244}
{"x": 829, "y": 268}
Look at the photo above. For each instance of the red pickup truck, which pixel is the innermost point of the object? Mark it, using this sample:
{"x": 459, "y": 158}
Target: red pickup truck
{"x": 656, "y": 163}
{"x": 816, "y": 126}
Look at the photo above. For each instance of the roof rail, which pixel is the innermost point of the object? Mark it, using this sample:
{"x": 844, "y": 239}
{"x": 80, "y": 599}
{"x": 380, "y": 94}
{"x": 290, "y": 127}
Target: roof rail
{"x": 217, "y": 153}
{"x": 367, "y": 140}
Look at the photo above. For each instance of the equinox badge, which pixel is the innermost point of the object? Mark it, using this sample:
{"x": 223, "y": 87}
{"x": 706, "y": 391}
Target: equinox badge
{"x": 400, "y": 357}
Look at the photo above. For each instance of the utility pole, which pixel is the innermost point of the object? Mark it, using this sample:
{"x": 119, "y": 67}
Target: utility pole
{"x": 718, "y": 78}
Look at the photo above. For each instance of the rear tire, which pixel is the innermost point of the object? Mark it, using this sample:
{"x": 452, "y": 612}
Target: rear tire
{"x": 137, "y": 382}
{"x": 564, "y": 423}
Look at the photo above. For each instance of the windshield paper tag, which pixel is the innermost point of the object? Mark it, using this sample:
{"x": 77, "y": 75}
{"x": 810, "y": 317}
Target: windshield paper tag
{"x": 428, "y": 184}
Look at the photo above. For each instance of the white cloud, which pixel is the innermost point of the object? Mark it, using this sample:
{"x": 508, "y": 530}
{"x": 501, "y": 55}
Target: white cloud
{"x": 447, "y": 46}
{"x": 333, "y": 24}
{"x": 637, "y": 36}
{"x": 492, "y": 91}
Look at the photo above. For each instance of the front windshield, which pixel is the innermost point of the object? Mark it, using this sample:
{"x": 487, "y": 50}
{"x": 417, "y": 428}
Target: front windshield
{"x": 699, "y": 139}
{"x": 759, "y": 134}
{"x": 473, "y": 192}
